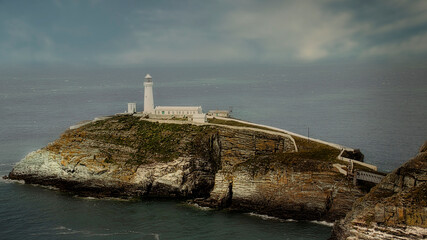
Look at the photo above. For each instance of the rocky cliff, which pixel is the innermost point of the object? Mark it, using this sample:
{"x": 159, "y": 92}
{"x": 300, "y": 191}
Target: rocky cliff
{"x": 219, "y": 166}
{"x": 303, "y": 186}
{"x": 394, "y": 209}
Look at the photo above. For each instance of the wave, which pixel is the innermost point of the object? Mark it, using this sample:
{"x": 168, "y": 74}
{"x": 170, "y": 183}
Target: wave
{"x": 7, "y": 164}
{"x": 62, "y": 230}
{"x": 3, "y": 180}
{"x": 323, "y": 223}
{"x": 46, "y": 187}
{"x": 265, "y": 217}
{"x": 103, "y": 199}
{"x": 199, "y": 207}
{"x": 290, "y": 220}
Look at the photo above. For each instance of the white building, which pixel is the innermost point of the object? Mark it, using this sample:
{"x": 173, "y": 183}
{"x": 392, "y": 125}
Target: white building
{"x": 168, "y": 111}
{"x": 200, "y": 118}
{"x": 131, "y": 108}
{"x": 219, "y": 113}
{"x": 177, "y": 110}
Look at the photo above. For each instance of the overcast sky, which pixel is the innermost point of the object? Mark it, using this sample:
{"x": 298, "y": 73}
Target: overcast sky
{"x": 218, "y": 31}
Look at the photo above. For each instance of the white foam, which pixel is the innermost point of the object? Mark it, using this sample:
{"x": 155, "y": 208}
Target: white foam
{"x": 264, "y": 217}
{"x": 200, "y": 207}
{"x": 103, "y": 198}
{"x": 68, "y": 231}
{"x": 7, "y": 164}
{"x": 46, "y": 187}
{"x": 61, "y": 228}
{"x": 11, "y": 181}
{"x": 323, "y": 223}
{"x": 290, "y": 220}
{"x": 87, "y": 198}
{"x": 65, "y": 231}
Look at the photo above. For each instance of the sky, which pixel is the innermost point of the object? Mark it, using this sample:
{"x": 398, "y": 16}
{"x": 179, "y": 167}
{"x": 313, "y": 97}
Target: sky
{"x": 117, "y": 33}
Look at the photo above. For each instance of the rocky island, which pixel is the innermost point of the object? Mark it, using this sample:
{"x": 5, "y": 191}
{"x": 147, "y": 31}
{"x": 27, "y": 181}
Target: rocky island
{"x": 220, "y": 164}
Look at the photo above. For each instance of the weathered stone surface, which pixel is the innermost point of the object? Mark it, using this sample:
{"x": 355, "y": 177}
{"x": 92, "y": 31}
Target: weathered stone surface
{"x": 218, "y": 166}
{"x": 285, "y": 192}
{"x": 161, "y": 160}
{"x": 394, "y": 209}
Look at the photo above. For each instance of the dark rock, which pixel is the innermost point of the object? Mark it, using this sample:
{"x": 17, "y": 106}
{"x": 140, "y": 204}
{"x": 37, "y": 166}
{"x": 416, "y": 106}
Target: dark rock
{"x": 395, "y": 209}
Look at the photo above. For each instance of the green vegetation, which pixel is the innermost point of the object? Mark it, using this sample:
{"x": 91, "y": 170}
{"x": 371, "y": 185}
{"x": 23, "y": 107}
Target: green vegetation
{"x": 130, "y": 140}
{"x": 302, "y": 144}
{"x": 316, "y": 158}
{"x": 308, "y": 151}
{"x": 151, "y": 141}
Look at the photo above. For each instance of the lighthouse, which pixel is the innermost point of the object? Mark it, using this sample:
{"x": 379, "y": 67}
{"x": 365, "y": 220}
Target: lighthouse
{"x": 148, "y": 95}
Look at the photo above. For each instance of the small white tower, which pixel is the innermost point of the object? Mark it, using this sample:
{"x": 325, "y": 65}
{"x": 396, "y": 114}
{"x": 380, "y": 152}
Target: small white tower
{"x": 131, "y": 108}
{"x": 148, "y": 95}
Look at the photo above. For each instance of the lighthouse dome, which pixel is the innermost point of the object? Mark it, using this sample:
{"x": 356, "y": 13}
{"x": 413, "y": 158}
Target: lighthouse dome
{"x": 148, "y": 76}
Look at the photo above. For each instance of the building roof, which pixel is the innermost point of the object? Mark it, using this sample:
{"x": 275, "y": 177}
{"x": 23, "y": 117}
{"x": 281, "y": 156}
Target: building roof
{"x": 176, "y": 108}
{"x": 148, "y": 76}
{"x": 219, "y": 111}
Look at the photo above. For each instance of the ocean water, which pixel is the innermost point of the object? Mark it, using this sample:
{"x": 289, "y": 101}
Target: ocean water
{"x": 379, "y": 109}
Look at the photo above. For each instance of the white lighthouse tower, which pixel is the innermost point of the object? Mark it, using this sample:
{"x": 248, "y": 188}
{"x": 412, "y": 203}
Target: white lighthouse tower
{"x": 148, "y": 95}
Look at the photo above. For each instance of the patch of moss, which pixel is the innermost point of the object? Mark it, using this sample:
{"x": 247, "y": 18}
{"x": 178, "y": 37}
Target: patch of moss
{"x": 151, "y": 141}
{"x": 417, "y": 195}
{"x": 301, "y": 163}
{"x": 313, "y": 158}
{"x": 305, "y": 147}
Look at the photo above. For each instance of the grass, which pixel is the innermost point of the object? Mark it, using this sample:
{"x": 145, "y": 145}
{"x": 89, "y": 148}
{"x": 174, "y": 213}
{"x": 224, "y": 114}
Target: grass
{"x": 305, "y": 147}
{"x": 307, "y": 150}
{"x": 150, "y": 141}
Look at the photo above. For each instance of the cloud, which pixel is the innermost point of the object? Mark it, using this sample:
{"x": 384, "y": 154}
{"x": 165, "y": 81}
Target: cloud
{"x": 283, "y": 31}
{"x": 315, "y": 30}
{"x": 403, "y": 36}
{"x": 220, "y": 31}
{"x": 416, "y": 45}
{"x": 293, "y": 29}
{"x": 159, "y": 36}
{"x": 23, "y": 43}
{"x": 175, "y": 46}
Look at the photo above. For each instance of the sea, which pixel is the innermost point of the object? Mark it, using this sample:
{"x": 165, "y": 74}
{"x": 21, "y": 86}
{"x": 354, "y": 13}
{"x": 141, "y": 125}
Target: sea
{"x": 379, "y": 109}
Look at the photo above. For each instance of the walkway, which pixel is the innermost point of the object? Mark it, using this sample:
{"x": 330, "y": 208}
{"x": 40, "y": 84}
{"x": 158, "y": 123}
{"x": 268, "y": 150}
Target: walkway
{"x": 368, "y": 176}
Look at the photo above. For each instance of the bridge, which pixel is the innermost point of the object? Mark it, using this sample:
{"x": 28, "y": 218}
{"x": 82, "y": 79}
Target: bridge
{"x": 367, "y": 176}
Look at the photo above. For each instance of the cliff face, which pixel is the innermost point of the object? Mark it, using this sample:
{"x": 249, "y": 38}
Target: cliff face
{"x": 285, "y": 187}
{"x": 218, "y": 166}
{"x": 127, "y": 156}
{"x": 394, "y": 209}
